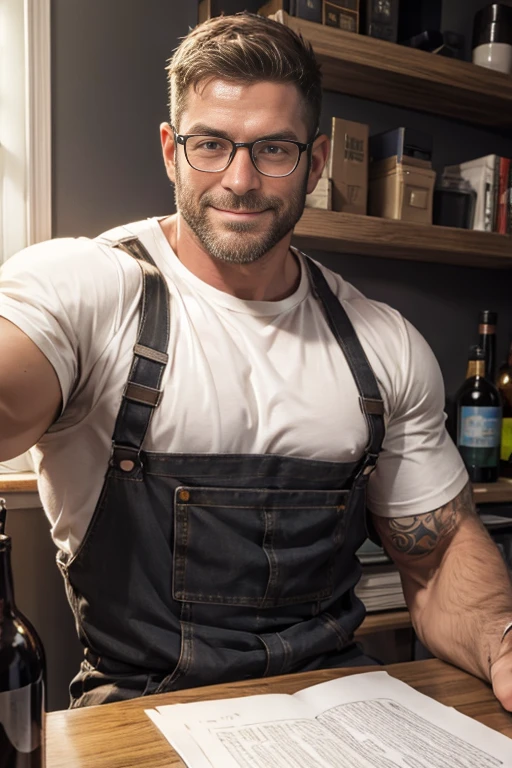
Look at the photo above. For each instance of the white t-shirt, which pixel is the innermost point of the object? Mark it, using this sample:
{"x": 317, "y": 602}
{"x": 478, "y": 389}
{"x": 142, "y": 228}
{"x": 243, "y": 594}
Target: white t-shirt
{"x": 243, "y": 377}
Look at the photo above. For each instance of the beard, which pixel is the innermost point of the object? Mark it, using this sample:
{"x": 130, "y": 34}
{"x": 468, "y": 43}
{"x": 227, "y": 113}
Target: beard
{"x": 238, "y": 242}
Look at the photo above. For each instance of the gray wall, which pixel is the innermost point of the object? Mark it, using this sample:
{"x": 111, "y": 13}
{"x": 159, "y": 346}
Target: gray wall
{"x": 109, "y": 96}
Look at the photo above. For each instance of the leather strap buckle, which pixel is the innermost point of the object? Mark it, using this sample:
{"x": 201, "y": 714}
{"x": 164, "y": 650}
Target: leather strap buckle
{"x": 138, "y": 393}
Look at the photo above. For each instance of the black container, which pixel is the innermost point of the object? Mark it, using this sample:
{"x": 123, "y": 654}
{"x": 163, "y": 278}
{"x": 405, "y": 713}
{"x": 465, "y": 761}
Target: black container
{"x": 454, "y": 207}
{"x": 493, "y": 24}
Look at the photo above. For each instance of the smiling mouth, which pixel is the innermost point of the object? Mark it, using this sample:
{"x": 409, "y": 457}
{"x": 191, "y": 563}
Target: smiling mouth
{"x": 240, "y": 213}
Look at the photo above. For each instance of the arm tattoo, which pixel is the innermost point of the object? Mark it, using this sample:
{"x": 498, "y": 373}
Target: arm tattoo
{"x": 421, "y": 534}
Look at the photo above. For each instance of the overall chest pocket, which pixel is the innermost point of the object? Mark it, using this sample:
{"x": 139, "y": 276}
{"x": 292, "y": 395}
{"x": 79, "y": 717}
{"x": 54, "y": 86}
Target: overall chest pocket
{"x": 258, "y": 548}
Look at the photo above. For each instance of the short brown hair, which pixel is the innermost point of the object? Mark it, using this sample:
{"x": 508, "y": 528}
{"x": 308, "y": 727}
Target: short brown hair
{"x": 245, "y": 48}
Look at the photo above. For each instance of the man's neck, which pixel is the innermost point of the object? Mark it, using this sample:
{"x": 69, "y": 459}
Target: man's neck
{"x": 272, "y": 278}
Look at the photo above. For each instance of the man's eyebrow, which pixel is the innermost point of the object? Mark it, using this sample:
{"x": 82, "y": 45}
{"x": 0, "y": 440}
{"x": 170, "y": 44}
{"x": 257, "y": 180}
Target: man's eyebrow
{"x": 206, "y": 130}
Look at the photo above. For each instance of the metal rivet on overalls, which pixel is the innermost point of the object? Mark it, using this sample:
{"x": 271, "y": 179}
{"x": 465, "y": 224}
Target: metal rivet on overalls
{"x": 184, "y": 495}
{"x": 127, "y": 465}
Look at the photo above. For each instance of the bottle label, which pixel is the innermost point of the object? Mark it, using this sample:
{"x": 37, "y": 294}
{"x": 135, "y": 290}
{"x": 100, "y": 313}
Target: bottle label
{"x": 506, "y": 440}
{"x": 480, "y": 427}
{"x": 21, "y": 720}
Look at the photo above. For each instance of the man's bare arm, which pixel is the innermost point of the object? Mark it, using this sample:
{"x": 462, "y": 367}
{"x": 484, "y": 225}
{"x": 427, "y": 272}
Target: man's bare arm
{"x": 455, "y": 582}
{"x": 30, "y": 396}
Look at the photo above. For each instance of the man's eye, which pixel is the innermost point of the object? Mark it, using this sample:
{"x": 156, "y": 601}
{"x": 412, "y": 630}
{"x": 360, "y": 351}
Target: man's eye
{"x": 210, "y": 145}
{"x": 272, "y": 149}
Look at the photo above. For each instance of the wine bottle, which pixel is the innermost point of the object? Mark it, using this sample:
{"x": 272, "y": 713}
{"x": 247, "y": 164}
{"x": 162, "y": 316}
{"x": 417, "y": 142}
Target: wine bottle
{"x": 22, "y": 673}
{"x": 504, "y": 384}
{"x": 479, "y": 421}
{"x": 487, "y": 340}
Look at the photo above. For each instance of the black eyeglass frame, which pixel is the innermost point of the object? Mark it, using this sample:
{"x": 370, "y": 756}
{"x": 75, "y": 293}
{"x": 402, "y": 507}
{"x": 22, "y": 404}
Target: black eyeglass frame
{"x": 182, "y": 138}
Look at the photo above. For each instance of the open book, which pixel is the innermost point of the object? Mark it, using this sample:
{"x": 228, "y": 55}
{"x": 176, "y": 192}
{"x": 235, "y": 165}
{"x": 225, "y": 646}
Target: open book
{"x": 369, "y": 720}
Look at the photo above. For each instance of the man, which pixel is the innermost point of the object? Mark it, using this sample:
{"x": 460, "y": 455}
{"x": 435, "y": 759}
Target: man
{"x": 209, "y": 407}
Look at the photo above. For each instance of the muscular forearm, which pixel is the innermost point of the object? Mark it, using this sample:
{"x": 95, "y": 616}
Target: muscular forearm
{"x": 461, "y": 612}
{"x": 455, "y": 582}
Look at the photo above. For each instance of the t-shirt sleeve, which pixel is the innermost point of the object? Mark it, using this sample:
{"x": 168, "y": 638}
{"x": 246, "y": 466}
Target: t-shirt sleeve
{"x": 66, "y": 295}
{"x": 419, "y": 468}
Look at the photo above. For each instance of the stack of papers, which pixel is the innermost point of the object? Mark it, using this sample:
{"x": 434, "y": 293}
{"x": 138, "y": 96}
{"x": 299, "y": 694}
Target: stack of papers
{"x": 380, "y": 588}
{"x": 370, "y": 720}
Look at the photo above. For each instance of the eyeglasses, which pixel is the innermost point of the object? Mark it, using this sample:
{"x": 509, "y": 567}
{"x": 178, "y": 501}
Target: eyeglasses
{"x": 213, "y": 154}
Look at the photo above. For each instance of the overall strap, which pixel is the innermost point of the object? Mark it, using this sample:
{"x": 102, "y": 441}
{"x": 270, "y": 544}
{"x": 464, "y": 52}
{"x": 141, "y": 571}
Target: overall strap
{"x": 142, "y": 392}
{"x": 370, "y": 398}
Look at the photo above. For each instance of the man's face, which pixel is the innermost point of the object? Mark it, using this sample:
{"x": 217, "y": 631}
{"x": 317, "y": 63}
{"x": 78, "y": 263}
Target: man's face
{"x": 238, "y": 214}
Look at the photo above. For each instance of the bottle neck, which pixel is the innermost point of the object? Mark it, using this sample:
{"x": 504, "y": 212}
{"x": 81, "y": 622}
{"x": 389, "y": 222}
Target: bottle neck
{"x": 475, "y": 368}
{"x": 488, "y": 343}
{"x": 6, "y": 581}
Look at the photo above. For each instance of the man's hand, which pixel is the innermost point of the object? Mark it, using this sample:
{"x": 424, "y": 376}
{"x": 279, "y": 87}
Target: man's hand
{"x": 501, "y": 673}
{"x": 457, "y": 588}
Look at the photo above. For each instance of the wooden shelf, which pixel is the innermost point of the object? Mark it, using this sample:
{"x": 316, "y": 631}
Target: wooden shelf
{"x": 18, "y": 482}
{"x": 384, "y": 621}
{"x": 493, "y": 493}
{"x": 386, "y": 238}
{"x": 374, "y": 69}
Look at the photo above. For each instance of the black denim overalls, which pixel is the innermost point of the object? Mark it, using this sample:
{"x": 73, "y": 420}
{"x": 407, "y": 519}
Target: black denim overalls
{"x": 199, "y": 569}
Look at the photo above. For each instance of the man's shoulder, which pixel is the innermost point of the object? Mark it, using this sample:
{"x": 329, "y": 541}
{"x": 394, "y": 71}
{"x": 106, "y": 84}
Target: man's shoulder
{"x": 364, "y": 312}
{"x": 139, "y": 229}
{"x": 68, "y": 257}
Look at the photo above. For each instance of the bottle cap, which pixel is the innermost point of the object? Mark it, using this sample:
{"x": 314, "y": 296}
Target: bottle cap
{"x": 476, "y": 353}
{"x": 487, "y": 317}
{"x": 493, "y": 24}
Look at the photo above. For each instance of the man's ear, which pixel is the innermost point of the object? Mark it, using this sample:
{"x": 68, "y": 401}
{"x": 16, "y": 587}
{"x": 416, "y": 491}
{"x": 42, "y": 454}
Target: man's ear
{"x": 168, "y": 150}
{"x": 319, "y": 156}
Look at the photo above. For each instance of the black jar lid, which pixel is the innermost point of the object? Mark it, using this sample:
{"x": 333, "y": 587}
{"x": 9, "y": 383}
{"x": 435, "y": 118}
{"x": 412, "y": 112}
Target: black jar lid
{"x": 493, "y": 24}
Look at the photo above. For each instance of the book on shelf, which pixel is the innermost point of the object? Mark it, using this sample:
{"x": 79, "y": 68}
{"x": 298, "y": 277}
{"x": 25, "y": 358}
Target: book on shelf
{"x": 343, "y": 14}
{"x": 321, "y": 197}
{"x": 380, "y": 588}
{"x": 348, "y": 166}
{"x": 491, "y": 179}
{"x": 309, "y": 10}
{"x": 503, "y": 200}
{"x": 379, "y": 19}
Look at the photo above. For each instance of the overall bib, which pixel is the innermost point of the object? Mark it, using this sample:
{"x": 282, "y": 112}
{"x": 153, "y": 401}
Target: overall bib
{"x": 198, "y": 568}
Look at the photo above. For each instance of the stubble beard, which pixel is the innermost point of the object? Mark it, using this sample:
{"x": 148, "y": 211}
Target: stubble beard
{"x": 239, "y": 242}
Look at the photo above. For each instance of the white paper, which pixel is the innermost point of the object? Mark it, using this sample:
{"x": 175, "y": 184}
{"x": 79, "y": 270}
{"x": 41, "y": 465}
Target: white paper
{"x": 369, "y": 720}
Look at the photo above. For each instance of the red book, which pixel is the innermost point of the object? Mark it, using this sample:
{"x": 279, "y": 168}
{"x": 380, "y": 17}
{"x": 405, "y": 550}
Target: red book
{"x": 503, "y": 195}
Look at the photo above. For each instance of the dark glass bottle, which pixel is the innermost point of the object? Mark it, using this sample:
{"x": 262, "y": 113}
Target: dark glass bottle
{"x": 504, "y": 384}
{"x": 487, "y": 341}
{"x": 479, "y": 421}
{"x": 22, "y": 672}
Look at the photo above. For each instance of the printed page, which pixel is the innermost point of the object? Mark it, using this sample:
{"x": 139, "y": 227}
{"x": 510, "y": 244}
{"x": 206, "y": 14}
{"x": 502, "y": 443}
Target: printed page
{"x": 370, "y": 720}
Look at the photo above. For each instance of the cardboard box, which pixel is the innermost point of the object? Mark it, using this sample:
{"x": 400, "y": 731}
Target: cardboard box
{"x": 401, "y": 191}
{"x": 348, "y": 166}
{"x": 343, "y": 14}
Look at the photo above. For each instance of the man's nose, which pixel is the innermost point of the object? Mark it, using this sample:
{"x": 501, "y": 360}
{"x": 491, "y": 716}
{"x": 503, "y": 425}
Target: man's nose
{"x": 241, "y": 176}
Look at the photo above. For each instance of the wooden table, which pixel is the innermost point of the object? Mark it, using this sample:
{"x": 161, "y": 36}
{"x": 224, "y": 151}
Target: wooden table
{"x": 122, "y": 736}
